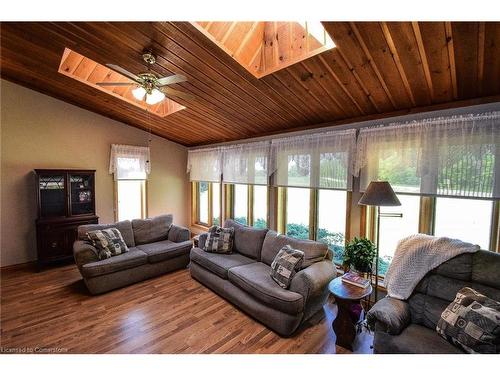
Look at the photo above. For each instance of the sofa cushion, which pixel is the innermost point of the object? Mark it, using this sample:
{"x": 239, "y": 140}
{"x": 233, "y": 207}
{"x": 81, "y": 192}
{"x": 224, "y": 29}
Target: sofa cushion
{"x": 151, "y": 230}
{"x": 247, "y": 240}
{"x": 313, "y": 251}
{"x": 219, "y": 240}
{"x": 125, "y": 228}
{"x": 486, "y": 268}
{"x": 163, "y": 250}
{"x": 133, "y": 258}
{"x": 108, "y": 242}
{"x": 471, "y": 322}
{"x": 285, "y": 265}
{"x": 256, "y": 280}
{"x": 218, "y": 263}
{"x": 415, "y": 339}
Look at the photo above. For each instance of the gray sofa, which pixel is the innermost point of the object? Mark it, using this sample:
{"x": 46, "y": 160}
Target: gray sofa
{"x": 156, "y": 246}
{"x": 243, "y": 277}
{"x": 410, "y": 326}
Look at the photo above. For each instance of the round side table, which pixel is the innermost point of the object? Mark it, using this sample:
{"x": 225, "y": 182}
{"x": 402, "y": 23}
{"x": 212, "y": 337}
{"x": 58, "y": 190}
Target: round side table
{"x": 347, "y": 297}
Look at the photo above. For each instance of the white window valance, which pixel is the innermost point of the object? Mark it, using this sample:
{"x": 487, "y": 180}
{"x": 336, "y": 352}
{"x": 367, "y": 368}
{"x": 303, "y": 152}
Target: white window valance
{"x": 448, "y": 156}
{"x": 246, "y": 163}
{"x": 205, "y": 164}
{"x": 321, "y": 160}
{"x": 129, "y": 162}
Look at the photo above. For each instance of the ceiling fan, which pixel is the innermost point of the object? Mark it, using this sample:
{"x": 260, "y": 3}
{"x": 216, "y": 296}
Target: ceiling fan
{"x": 150, "y": 87}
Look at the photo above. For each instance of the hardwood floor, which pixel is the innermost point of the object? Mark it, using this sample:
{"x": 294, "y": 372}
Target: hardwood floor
{"x": 52, "y": 311}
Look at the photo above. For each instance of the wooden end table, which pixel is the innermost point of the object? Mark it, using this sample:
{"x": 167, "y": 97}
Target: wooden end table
{"x": 347, "y": 297}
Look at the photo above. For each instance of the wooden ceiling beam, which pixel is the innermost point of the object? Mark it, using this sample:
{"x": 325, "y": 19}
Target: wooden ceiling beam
{"x": 480, "y": 57}
{"x": 372, "y": 63}
{"x": 451, "y": 55}
{"x": 423, "y": 57}
{"x": 397, "y": 61}
{"x": 342, "y": 86}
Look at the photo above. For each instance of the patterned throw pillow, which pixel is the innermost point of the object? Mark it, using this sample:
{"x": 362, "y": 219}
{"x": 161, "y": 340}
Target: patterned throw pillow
{"x": 219, "y": 240}
{"x": 472, "y": 322}
{"x": 108, "y": 242}
{"x": 285, "y": 264}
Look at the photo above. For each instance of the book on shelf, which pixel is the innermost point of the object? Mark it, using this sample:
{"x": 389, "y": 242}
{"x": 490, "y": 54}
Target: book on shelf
{"x": 356, "y": 280}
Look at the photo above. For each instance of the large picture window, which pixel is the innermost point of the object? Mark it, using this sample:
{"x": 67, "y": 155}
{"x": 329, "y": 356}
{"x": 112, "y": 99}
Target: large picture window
{"x": 240, "y": 203}
{"x": 260, "y": 203}
{"x": 297, "y": 212}
{"x": 466, "y": 219}
{"x": 332, "y": 211}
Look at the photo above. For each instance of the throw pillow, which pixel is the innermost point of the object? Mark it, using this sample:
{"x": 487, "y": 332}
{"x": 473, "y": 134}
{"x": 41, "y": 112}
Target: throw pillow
{"x": 219, "y": 240}
{"x": 472, "y": 322}
{"x": 285, "y": 264}
{"x": 108, "y": 242}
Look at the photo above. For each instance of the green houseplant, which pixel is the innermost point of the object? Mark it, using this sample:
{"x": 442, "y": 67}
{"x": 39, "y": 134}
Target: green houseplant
{"x": 359, "y": 254}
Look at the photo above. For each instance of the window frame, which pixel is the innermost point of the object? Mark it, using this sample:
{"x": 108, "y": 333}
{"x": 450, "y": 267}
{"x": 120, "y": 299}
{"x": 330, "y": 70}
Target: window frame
{"x": 195, "y": 204}
{"x": 144, "y": 198}
{"x": 250, "y": 202}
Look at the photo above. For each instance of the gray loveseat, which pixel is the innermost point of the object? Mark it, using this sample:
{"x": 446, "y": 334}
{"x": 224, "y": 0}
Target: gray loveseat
{"x": 243, "y": 277}
{"x": 156, "y": 246}
{"x": 410, "y": 326}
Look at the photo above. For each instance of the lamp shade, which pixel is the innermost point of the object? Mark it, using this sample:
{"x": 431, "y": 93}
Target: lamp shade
{"x": 379, "y": 193}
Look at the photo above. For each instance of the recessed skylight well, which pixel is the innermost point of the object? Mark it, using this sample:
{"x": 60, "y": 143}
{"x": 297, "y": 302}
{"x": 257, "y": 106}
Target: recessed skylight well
{"x": 89, "y": 72}
{"x": 266, "y": 47}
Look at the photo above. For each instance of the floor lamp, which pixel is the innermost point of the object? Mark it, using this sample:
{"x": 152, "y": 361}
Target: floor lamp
{"x": 378, "y": 194}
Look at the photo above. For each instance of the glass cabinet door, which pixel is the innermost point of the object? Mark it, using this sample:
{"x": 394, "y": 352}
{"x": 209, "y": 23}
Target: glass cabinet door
{"x": 52, "y": 195}
{"x": 81, "y": 197}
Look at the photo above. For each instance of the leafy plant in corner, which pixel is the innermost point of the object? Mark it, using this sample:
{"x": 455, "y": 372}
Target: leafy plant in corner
{"x": 359, "y": 254}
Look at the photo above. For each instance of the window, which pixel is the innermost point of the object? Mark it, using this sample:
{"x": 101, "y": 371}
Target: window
{"x": 206, "y": 197}
{"x": 216, "y": 203}
{"x": 259, "y": 206}
{"x": 466, "y": 219}
{"x": 297, "y": 212}
{"x": 131, "y": 199}
{"x": 203, "y": 203}
{"x": 393, "y": 228}
{"x": 240, "y": 202}
{"x": 332, "y": 208}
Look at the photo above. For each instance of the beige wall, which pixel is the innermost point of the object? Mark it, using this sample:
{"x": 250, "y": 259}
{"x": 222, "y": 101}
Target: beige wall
{"x": 38, "y": 131}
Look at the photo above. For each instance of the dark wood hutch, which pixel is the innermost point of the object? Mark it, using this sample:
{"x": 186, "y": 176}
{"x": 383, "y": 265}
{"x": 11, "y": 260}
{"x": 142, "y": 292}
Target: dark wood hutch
{"x": 66, "y": 199}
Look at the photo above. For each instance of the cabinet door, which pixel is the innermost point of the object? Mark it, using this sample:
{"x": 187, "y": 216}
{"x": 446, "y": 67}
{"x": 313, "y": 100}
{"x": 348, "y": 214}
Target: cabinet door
{"x": 81, "y": 187}
{"x": 53, "y": 243}
{"x": 52, "y": 195}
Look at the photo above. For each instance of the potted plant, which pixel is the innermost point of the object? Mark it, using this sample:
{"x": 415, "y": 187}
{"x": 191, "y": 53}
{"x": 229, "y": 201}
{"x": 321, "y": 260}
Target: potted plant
{"x": 359, "y": 254}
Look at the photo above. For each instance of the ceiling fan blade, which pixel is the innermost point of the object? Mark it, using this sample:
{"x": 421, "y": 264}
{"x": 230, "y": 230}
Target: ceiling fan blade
{"x": 171, "y": 80}
{"x": 170, "y": 92}
{"x": 125, "y": 72}
{"x": 116, "y": 83}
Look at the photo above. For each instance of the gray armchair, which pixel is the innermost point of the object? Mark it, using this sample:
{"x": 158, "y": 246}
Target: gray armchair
{"x": 410, "y": 326}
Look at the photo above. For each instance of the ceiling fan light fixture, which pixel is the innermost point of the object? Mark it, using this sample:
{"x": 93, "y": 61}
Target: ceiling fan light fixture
{"x": 155, "y": 97}
{"x": 139, "y": 92}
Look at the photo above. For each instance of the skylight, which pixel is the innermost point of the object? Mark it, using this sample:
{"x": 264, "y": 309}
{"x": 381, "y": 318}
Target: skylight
{"x": 266, "y": 47}
{"x": 89, "y": 72}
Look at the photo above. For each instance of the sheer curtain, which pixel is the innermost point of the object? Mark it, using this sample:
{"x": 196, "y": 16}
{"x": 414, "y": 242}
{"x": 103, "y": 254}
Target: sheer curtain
{"x": 246, "y": 163}
{"x": 448, "y": 156}
{"x": 205, "y": 164}
{"x": 129, "y": 162}
{"x": 321, "y": 160}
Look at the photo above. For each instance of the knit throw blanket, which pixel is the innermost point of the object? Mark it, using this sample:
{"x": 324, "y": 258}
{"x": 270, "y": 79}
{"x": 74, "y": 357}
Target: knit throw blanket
{"x": 415, "y": 256}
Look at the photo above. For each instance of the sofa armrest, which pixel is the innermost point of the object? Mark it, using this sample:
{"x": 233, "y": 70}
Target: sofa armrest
{"x": 201, "y": 240}
{"x": 389, "y": 315}
{"x": 84, "y": 253}
{"x": 178, "y": 234}
{"x": 313, "y": 280}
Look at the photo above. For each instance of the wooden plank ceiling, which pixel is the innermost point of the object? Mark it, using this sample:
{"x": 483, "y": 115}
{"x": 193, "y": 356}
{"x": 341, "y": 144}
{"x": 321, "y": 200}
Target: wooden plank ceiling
{"x": 376, "y": 70}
